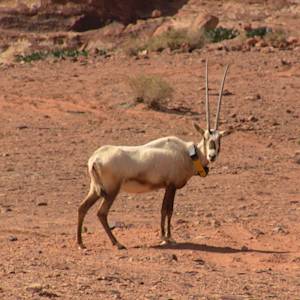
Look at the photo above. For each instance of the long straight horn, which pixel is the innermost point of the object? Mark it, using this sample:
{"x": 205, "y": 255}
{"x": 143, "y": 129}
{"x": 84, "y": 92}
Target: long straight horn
{"x": 220, "y": 98}
{"x": 207, "y": 98}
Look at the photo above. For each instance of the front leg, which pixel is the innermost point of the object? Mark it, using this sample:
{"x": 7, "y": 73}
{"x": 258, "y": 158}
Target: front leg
{"x": 167, "y": 211}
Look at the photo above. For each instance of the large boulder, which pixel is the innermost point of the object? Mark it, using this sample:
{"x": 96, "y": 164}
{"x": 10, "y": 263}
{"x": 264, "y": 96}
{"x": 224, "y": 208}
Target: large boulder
{"x": 192, "y": 23}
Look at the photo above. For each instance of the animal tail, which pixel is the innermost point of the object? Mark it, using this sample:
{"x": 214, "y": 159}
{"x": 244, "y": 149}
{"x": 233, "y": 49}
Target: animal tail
{"x": 95, "y": 177}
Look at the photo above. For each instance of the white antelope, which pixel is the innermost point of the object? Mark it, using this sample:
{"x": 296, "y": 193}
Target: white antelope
{"x": 167, "y": 162}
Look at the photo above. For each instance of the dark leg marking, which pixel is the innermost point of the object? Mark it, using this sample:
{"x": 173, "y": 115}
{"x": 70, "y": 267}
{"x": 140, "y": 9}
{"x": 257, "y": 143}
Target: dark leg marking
{"x": 102, "y": 215}
{"x": 167, "y": 211}
{"x": 85, "y": 205}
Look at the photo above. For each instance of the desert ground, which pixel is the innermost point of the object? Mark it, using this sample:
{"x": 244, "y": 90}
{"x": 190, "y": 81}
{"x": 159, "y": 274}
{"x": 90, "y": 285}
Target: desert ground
{"x": 237, "y": 230}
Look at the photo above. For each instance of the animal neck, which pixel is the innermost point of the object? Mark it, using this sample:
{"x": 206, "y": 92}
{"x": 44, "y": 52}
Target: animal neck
{"x": 201, "y": 151}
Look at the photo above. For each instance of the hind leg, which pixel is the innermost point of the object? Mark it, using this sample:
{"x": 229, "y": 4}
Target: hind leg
{"x": 85, "y": 205}
{"x": 102, "y": 215}
{"x": 167, "y": 211}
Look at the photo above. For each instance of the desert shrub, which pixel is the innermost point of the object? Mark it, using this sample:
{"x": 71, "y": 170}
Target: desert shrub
{"x": 151, "y": 90}
{"x": 260, "y": 31}
{"x": 60, "y": 53}
{"x": 276, "y": 38}
{"x": 220, "y": 33}
{"x": 68, "y": 53}
{"x": 173, "y": 39}
{"x": 32, "y": 57}
{"x": 133, "y": 46}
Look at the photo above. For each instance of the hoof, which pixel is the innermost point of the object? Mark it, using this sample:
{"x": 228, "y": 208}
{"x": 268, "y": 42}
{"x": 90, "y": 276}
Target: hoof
{"x": 171, "y": 241}
{"x": 164, "y": 242}
{"x": 81, "y": 247}
{"x": 167, "y": 241}
{"x": 120, "y": 246}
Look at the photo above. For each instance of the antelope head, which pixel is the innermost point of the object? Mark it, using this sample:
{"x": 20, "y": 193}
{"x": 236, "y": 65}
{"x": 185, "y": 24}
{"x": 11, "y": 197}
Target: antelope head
{"x": 210, "y": 144}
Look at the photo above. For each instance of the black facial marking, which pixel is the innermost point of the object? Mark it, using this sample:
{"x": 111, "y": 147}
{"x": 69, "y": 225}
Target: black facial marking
{"x": 212, "y": 145}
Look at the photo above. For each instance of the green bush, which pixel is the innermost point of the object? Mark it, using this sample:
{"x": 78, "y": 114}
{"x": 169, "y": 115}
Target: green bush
{"x": 60, "y": 53}
{"x": 151, "y": 90}
{"x": 219, "y": 34}
{"x": 31, "y": 57}
{"x": 260, "y": 31}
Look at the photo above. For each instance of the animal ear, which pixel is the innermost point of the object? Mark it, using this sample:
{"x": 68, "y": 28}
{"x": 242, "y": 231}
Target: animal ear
{"x": 224, "y": 133}
{"x": 199, "y": 129}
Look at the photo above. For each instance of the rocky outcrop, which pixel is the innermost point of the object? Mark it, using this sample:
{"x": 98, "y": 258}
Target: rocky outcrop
{"x": 78, "y": 15}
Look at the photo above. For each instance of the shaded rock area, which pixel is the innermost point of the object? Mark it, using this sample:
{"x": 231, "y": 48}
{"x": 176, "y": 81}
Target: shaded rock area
{"x": 61, "y": 15}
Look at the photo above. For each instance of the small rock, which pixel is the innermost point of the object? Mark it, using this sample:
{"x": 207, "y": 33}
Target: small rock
{"x": 245, "y": 248}
{"x": 47, "y": 294}
{"x": 253, "y": 98}
{"x": 280, "y": 229}
{"x": 291, "y": 40}
{"x": 20, "y": 127}
{"x": 257, "y": 232}
{"x": 285, "y": 62}
{"x": 267, "y": 49}
{"x": 261, "y": 44}
{"x": 181, "y": 221}
{"x": 215, "y": 223}
{"x": 174, "y": 257}
{"x": 252, "y": 119}
{"x": 42, "y": 203}
{"x": 156, "y": 13}
{"x": 227, "y": 93}
{"x": 247, "y": 26}
{"x": 199, "y": 261}
{"x": 35, "y": 287}
{"x": 251, "y": 42}
{"x": 296, "y": 260}
{"x": 297, "y": 160}
{"x": 12, "y": 238}
{"x": 143, "y": 54}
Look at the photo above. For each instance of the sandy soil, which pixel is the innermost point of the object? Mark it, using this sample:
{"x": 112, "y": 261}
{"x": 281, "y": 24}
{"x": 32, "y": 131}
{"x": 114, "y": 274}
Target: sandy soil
{"x": 237, "y": 230}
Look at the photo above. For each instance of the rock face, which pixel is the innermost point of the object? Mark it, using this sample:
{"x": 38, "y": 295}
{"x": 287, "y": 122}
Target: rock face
{"x": 192, "y": 23}
{"x": 78, "y": 15}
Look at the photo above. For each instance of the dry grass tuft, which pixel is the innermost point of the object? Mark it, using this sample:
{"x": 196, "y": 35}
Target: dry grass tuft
{"x": 151, "y": 90}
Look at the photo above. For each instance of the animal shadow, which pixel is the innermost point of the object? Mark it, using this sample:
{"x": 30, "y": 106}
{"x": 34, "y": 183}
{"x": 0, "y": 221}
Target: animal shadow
{"x": 213, "y": 249}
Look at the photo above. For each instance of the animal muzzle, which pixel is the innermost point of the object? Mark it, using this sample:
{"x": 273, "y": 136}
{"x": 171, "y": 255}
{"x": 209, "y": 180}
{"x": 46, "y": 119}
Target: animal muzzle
{"x": 212, "y": 157}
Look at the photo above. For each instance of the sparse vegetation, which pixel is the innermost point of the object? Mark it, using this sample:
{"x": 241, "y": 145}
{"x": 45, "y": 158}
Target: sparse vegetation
{"x": 133, "y": 46}
{"x": 260, "y": 31}
{"x": 276, "y": 38}
{"x": 31, "y": 57}
{"x": 60, "y": 53}
{"x": 151, "y": 90}
{"x": 186, "y": 40}
{"x": 172, "y": 39}
{"x": 176, "y": 39}
{"x": 219, "y": 34}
